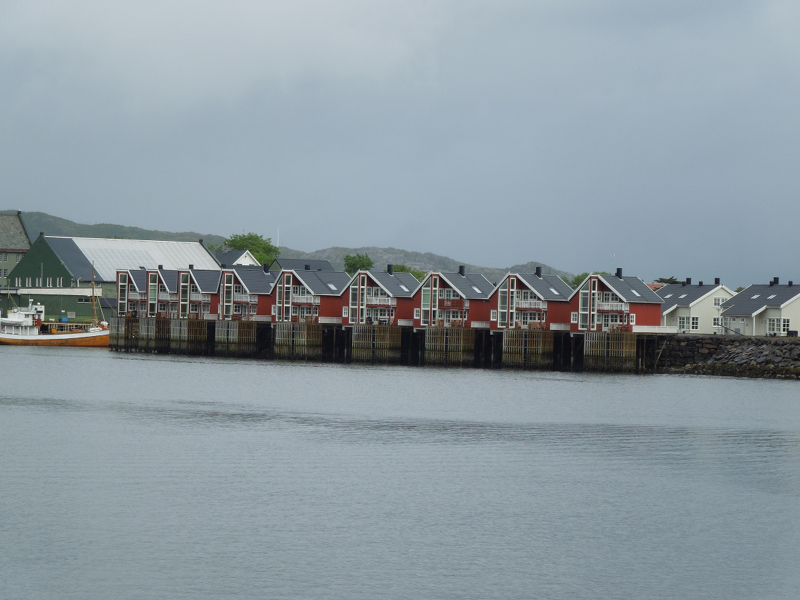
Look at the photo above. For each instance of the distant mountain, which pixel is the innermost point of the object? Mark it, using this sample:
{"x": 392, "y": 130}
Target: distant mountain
{"x": 50, "y": 225}
{"x": 424, "y": 261}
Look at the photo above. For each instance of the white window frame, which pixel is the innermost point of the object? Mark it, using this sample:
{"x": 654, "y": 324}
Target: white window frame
{"x": 493, "y": 315}
{"x": 573, "y": 317}
{"x": 345, "y": 312}
{"x": 417, "y": 313}
{"x": 633, "y": 319}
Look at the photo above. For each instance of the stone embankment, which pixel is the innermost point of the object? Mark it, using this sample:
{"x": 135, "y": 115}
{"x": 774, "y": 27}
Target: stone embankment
{"x": 771, "y": 357}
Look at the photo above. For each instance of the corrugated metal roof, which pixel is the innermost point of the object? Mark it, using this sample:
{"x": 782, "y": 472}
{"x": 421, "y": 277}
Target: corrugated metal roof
{"x": 299, "y": 264}
{"x": 109, "y": 255}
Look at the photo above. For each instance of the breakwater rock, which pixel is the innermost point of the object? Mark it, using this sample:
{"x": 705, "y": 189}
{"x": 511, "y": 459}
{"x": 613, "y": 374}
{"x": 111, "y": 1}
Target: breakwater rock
{"x": 771, "y": 357}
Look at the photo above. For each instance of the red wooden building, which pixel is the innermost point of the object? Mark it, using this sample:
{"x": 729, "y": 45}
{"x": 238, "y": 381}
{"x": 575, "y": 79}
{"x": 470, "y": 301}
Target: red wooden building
{"x": 613, "y": 302}
{"x": 452, "y": 299}
{"x": 529, "y": 301}
{"x": 384, "y": 298}
{"x": 306, "y": 295}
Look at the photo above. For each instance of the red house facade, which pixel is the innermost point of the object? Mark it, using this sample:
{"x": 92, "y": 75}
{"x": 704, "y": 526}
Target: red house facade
{"x": 452, "y": 299}
{"x": 529, "y": 301}
{"x": 381, "y": 298}
{"x": 613, "y": 302}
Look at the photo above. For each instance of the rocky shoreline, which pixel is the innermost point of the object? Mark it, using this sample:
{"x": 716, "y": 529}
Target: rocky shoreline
{"x": 760, "y": 357}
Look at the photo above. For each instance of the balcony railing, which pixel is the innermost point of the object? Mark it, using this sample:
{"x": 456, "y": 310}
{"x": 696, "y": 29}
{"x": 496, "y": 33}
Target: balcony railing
{"x": 453, "y": 303}
{"x": 168, "y": 296}
{"x": 531, "y": 304}
{"x": 613, "y": 306}
{"x": 379, "y": 301}
{"x": 245, "y": 298}
{"x": 198, "y": 297}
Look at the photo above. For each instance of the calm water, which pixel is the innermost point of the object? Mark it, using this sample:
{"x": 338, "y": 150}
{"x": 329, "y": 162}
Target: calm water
{"x": 125, "y": 476}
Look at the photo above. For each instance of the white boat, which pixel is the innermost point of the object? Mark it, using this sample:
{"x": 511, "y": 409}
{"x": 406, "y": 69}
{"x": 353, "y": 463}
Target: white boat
{"x": 27, "y": 327}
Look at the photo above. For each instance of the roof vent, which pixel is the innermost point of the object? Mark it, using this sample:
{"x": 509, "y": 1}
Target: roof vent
{"x": 462, "y": 270}
{"x": 700, "y": 284}
{"x": 539, "y": 272}
{"x": 160, "y": 267}
{"x": 688, "y": 281}
{"x": 791, "y": 283}
{"x": 307, "y": 267}
{"x": 390, "y": 269}
{"x": 716, "y": 280}
{"x": 619, "y": 273}
{"x": 191, "y": 267}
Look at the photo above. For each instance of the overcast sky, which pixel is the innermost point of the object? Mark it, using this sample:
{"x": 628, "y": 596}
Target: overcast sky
{"x": 661, "y": 137}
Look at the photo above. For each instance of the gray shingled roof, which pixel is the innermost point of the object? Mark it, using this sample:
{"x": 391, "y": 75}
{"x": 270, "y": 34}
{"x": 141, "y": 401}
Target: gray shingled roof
{"x": 228, "y": 257}
{"x": 391, "y": 283}
{"x": 170, "y": 278}
{"x": 678, "y": 294}
{"x": 139, "y": 278}
{"x": 207, "y": 280}
{"x": 472, "y": 286}
{"x": 320, "y": 282}
{"x": 74, "y": 260}
{"x": 545, "y": 285}
{"x": 299, "y": 264}
{"x": 757, "y": 297}
{"x": 629, "y": 289}
{"x": 12, "y": 234}
{"x": 255, "y": 279}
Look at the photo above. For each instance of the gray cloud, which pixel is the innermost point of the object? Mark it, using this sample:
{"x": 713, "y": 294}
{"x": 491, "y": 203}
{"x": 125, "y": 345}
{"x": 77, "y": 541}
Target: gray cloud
{"x": 662, "y": 133}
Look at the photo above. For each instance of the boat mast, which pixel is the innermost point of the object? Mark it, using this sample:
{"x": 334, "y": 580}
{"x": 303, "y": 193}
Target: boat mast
{"x": 94, "y": 314}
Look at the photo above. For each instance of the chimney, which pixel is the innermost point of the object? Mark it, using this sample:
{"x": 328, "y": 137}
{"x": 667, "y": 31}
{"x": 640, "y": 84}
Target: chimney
{"x": 307, "y": 267}
{"x": 266, "y": 268}
{"x": 191, "y": 267}
{"x": 700, "y": 284}
{"x": 201, "y": 241}
{"x": 790, "y": 284}
{"x": 41, "y": 234}
{"x": 619, "y": 273}
{"x": 539, "y": 272}
{"x": 223, "y": 265}
{"x": 688, "y": 281}
{"x": 462, "y": 270}
{"x": 390, "y": 269}
{"x": 775, "y": 281}
{"x": 160, "y": 267}
{"x": 716, "y": 280}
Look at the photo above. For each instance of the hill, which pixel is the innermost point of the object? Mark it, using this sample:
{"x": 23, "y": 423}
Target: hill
{"x": 425, "y": 261}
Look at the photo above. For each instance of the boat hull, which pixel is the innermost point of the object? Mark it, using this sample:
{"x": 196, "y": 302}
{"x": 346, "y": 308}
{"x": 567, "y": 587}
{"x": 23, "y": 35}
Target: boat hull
{"x": 94, "y": 339}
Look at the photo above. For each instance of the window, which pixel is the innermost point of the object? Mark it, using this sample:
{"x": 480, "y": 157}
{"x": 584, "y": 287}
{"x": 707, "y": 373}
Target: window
{"x": 253, "y": 309}
{"x": 555, "y": 293}
{"x": 477, "y": 290}
{"x": 206, "y": 308}
{"x": 633, "y": 319}
{"x": 38, "y": 282}
{"x": 345, "y": 312}
{"x": 416, "y": 313}
{"x": 719, "y": 300}
{"x": 5, "y": 272}
{"x": 573, "y": 317}
{"x": 273, "y": 311}
{"x": 237, "y": 289}
{"x": 18, "y": 281}
{"x": 668, "y": 296}
{"x": 60, "y": 282}
{"x": 237, "y": 309}
{"x": 194, "y": 308}
{"x": 131, "y": 306}
{"x": 695, "y": 323}
{"x": 19, "y": 257}
{"x": 333, "y": 287}
{"x": 770, "y": 297}
{"x": 777, "y": 326}
{"x": 635, "y": 293}
{"x": 754, "y": 297}
{"x": 27, "y": 282}
{"x": 162, "y": 307}
{"x": 682, "y": 296}
{"x": 295, "y": 310}
{"x": 493, "y": 316}
{"x": 404, "y": 288}
{"x": 715, "y": 322}
{"x": 5, "y": 257}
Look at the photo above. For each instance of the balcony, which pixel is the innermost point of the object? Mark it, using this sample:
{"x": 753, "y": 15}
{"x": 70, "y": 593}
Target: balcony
{"x": 198, "y": 297}
{"x": 245, "y": 298}
{"x": 613, "y": 306}
{"x": 453, "y": 303}
{"x": 381, "y": 301}
{"x": 531, "y": 304}
{"x": 166, "y": 296}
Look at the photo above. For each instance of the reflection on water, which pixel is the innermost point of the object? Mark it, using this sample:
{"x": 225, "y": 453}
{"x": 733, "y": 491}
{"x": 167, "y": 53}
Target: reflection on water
{"x": 171, "y": 477}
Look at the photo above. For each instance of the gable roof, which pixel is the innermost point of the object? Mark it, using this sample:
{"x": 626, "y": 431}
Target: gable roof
{"x": 678, "y": 294}
{"x": 471, "y": 286}
{"x": 109, "y": 255}
{"x": 299, "y": 264}
{"x": 756, "y": 298}
{"x": 629, "y": 289}
{"x": 231, "y": 258}
{"x": 206, "y": 280}
{"x": 255, "y": 279}
{"x": 170, "y": 279}
{"x": 324, "y": 283}
{"x": 13, "y": 236}
{"x": 547, "y": 287}
{"x": 391, "y": 283}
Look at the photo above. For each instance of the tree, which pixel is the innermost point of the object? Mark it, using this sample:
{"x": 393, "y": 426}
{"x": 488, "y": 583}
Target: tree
{"x": 357, "y": 263}
{"x": 260, "y": 247}
{"x": 666, "y": 280}
{"x": 417, "y": 273}
{"x": 578, "y": 279}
